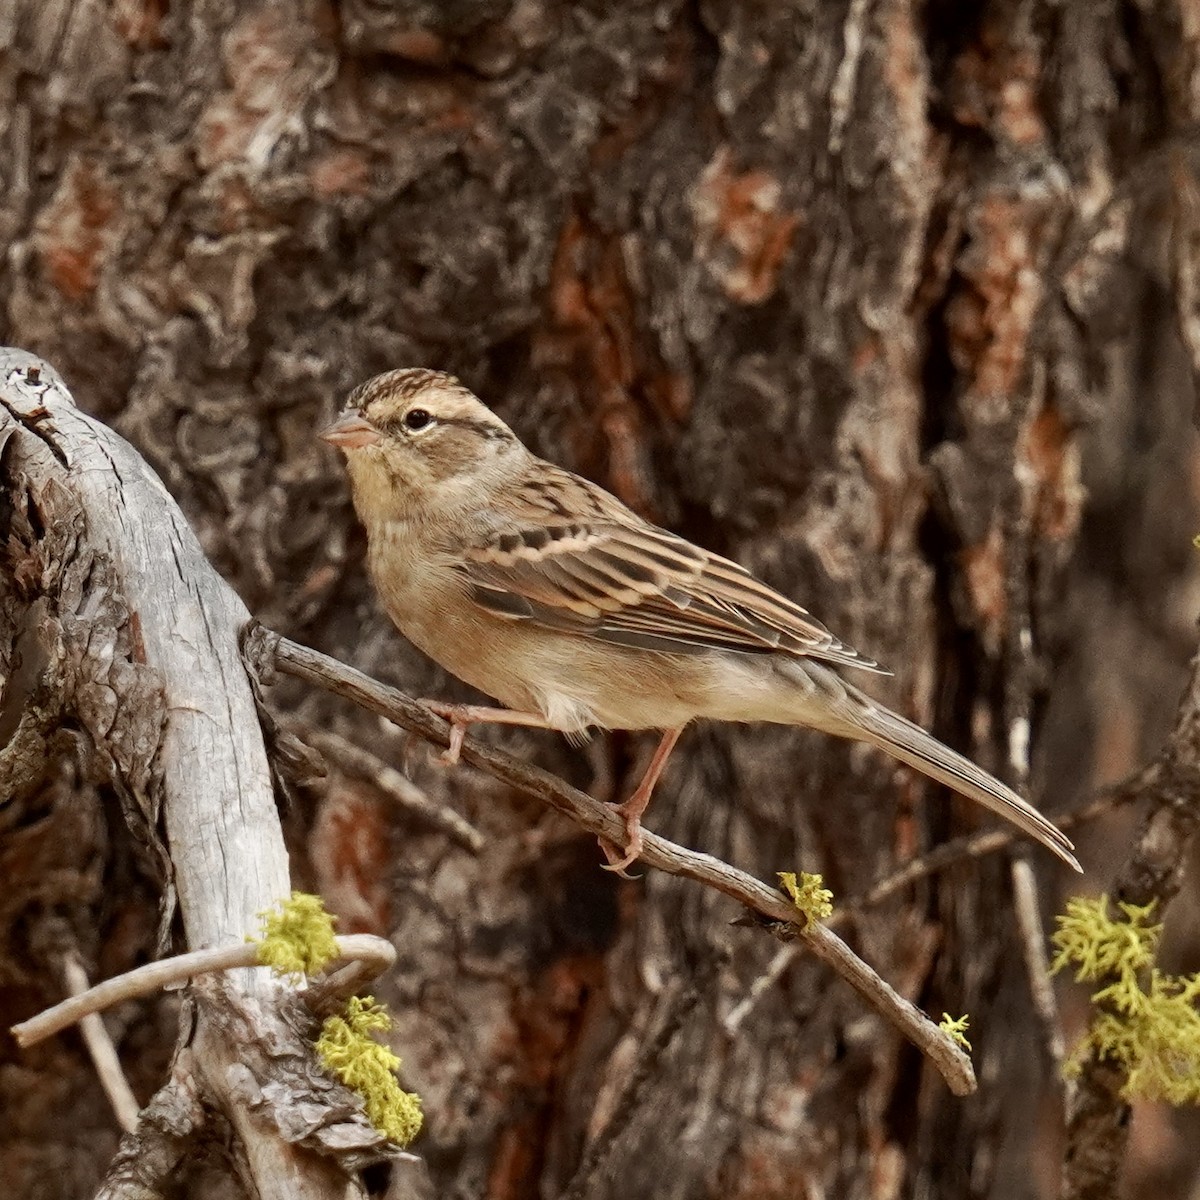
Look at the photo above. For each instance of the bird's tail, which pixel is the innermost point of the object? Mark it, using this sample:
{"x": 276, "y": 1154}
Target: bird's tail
{"x": 912, "y": 745}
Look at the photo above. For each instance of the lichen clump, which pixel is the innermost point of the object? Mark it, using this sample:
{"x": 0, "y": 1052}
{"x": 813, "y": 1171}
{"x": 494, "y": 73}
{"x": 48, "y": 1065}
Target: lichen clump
{"x": 1146, "y": 1021}
{"x": 808, "y": 894}
{"x": 955, "y": 1028}
{"x": 297, "y": 939}
{"x": 348, "y": 1051}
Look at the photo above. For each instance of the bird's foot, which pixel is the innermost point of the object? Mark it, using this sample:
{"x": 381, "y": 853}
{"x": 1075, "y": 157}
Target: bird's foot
{"x": 618, "y": 860}
{"x": 461, "y": 717}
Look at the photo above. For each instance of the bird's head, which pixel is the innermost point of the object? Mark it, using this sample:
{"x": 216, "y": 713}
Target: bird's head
{"x": 417, "y": 439}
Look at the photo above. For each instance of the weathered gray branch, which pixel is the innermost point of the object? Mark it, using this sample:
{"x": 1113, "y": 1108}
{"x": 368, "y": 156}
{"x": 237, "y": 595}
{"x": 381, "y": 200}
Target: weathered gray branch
{"x": 100, "y": 1048}
{"x": 136, "y": 635}
{"x": 266, "y": 650}
{"x": 375, "y": 955}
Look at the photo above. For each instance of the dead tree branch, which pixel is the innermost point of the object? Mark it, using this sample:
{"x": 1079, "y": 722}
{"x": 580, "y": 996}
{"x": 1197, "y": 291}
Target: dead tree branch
{"x": 116, "y": 612}
{"x": 1098, "y": 1120}
{"x": 373, "y": 953}
{"x": 266, "y": 651}
{"x": 362, "y": 764}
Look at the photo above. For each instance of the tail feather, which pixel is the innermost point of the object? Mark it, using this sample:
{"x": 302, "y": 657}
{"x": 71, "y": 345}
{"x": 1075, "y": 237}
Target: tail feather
{"x": 912, "y": 745}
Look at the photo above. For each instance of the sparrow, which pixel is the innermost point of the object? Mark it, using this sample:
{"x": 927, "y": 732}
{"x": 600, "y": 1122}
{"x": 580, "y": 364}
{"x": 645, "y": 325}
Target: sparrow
{"x": 542, "y": 590}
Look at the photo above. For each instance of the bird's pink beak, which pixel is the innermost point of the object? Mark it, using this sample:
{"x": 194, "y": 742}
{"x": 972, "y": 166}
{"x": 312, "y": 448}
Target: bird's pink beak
{"x": 351, "y": 432}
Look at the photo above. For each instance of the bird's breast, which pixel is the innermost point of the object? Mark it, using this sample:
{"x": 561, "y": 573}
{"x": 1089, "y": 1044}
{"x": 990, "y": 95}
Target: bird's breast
{"x": 426, "y": 597}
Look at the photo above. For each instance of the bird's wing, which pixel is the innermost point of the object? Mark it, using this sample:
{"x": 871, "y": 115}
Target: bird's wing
{"x": 569, "y": 556}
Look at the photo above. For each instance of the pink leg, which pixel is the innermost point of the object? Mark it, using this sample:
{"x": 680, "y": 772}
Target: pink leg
{"x": 633, "y": 808}
{"x": 462, "y": 716}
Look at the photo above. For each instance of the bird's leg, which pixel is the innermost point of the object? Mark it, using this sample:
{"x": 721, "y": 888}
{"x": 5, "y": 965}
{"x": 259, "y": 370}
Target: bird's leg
{"x": 462, "y": 716}
{"x": 631, "y": 810}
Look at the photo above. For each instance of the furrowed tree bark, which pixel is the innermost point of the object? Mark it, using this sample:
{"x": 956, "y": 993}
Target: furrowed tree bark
{"x": 138, "y": 638}
{"x": 894, "y": 302}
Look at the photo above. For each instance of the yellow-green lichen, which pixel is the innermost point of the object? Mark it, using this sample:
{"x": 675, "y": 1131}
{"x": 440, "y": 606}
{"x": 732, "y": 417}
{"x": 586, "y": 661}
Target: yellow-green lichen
{"x": 1146, "y": 1021}
{"x": 1098, "y": 946}
{"x": 955, "y": 1028}
{"x": 808, "y": 894}
{"x": 297, "y": 938}
{"x": 364, "y": 1065}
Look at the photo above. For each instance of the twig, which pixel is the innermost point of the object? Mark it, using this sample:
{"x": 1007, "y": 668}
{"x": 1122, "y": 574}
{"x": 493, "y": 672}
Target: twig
{"x": 1098, "y": 1120}
{"x": 784, "y": 957}
{"x": 1033, "y": 948}
{"x": 362, "y": 764}
{"x": 265, "y": 650}
{"x": 938, "y": 859}
{"x": 364, "y": 947}
{"x": 979, "y": 844}
{"x": 100, "y": 1047}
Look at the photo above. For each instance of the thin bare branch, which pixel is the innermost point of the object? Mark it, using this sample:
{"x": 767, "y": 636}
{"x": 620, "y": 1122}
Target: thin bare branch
{"x": 980, "y": 844}
{"x": 362, "y": 764}
{"x": 939, "y": 859}
{"x": 373, "y": 952}
{"x": 100, "y": 1047}
{"x": 1098, "y": 1119}
{"x": 266, "y": 650}
{"x": 1033, "y": 949}
{"x": 784, "y": 957}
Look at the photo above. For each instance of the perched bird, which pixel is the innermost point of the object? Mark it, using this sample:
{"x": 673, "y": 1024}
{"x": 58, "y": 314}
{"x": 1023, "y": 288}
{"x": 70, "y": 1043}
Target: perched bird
{"x": 543, "y": 590}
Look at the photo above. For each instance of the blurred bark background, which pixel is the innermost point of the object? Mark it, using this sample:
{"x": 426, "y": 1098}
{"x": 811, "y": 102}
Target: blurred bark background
{"x": 896, "y": 303}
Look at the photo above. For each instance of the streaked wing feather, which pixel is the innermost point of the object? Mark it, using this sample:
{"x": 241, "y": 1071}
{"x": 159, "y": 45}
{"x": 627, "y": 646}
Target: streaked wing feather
{"x": 618, "y": 579}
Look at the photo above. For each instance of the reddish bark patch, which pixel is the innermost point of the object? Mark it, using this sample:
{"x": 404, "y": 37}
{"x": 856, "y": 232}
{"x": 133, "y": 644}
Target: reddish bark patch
{"x": 866, "y": 354}
{"x": 268, "y": 87}
{"x": 983, "y": 571}
{"x": 139, "y": 22}
{"x": 773, "y": 1166}
{"x": 340, "y": 173}
{"x": 78, "y": 228}
{"x": 514, "y": 1168}
{"x": 990, "y": 322}
{"x": 351, "y": 850}
{"x": 995, "y": 86}
{"x": 417, "y": 45}
{"x": 592, "y": 336}
{"x": 1052, "y": 456}
{"x": 741, "y": 230}
{"x": 546, "y": 1019}
{"x": 885, "y": 435}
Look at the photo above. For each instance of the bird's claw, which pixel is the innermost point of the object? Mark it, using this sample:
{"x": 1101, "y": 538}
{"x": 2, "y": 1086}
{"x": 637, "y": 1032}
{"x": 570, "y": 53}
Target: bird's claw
{"x": 458, "y": 730}
{"x": 618, "y": 861}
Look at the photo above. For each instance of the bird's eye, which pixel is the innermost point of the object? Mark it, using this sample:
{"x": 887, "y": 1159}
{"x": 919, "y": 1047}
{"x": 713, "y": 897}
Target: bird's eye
{"x": 416, "y": 418}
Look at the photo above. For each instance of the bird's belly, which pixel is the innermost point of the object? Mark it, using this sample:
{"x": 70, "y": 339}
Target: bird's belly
{"x": 573, "y": 681}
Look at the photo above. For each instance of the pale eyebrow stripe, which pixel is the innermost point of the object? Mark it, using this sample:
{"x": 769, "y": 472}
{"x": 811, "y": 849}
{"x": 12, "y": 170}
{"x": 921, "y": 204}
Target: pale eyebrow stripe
{"x": 480, "y": 427}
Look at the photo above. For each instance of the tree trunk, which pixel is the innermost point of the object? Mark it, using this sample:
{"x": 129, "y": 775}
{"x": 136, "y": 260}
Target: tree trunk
{"x": 895, "y": 303}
